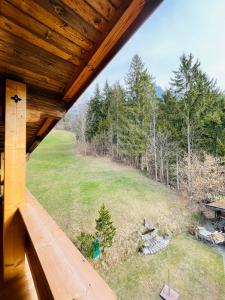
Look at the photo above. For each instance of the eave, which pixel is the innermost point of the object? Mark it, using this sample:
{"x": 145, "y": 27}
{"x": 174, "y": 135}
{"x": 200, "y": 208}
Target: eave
{"x": 58, "y": 48}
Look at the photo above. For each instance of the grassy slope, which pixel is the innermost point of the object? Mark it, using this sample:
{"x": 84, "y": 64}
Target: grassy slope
{"x": 72, "y": 188}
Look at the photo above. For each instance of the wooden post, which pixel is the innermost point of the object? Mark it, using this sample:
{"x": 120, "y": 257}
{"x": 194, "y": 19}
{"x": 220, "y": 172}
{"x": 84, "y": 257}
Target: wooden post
{"x": 1, "y": 220}
{"x": 2, "y": 173}
{"x": 14, "y": 178}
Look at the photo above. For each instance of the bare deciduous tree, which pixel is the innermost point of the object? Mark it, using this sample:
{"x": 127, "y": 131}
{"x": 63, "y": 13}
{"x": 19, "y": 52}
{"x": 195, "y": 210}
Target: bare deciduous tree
{"x": 208, "y": 178}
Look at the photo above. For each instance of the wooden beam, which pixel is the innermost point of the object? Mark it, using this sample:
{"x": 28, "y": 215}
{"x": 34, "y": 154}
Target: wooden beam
{"x": 130, "y": 20}
{"x": 68, "y": 17}
{"x": 31, "y": 77}
{"x": 90, "y": 15}
{"x": 1, "y": 221}
{"x": 23, "y": 54}
{"x": 14, "y": 181}
{"x": 39, "y": 29}
{"x": 2, "y": 173}
{"x": 46, "y": 104}
{"x": 34, "y": 9}
{"x": 129, "y": 16}
{"x": 104, "y": 8}
{"x": 46, "y": 126}
{"x": 21, "y": 288}
{"x": 116, "y": 3}
{"x": 35, "y": 40}
{"x": 40, "y": 281}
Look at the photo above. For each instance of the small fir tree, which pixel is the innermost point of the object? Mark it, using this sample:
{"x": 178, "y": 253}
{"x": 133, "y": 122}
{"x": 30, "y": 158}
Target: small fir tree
{"x": 105, "y": 231}
{"x": 84, "y": 243}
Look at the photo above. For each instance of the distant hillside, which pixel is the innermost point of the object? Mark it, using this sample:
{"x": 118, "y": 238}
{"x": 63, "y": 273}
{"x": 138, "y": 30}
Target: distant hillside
{"x": 79, "y": 106}
{"x": 159, "y": 91}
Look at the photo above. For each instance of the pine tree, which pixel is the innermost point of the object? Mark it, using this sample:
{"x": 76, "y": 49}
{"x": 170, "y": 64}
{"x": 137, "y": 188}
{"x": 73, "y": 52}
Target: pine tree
{"x": 105, "y": 231}
{"x": 192, "y": 88}
{"x": 94, "y": 115}
{"x": 117, "y": 119}
{"x": 106, "y": 100}
{"x": 133, "y": 125}
{"x": 140, "y": 93}
{"x": 211, "y": 126}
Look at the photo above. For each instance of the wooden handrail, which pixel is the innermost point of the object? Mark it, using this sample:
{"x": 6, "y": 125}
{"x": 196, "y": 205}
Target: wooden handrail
{"x": 59, "y": 270}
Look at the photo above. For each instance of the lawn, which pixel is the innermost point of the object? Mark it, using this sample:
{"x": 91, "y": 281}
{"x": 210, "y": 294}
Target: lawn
{"x": 73, "y": 187}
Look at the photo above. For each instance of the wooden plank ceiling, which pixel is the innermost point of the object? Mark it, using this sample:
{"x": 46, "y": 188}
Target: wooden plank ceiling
{"x": 57, "y": 48}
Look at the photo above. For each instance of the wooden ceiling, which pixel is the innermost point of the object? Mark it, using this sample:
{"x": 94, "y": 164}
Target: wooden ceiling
{"x": 57, "y": 48}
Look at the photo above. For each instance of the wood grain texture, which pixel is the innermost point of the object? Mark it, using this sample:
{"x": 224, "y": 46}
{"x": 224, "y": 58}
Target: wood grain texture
{"x": 66, "y": 15}
{"x": 2, "y": 172}
{"x": 20, "y": 53}
{"x": 40, "y": 280}
{"x": 14, "y": 181}
{"x": 29, "y": 77}
{"x": 32, "y": 129}
{"x": 22, "y": 288}
{"x": 41, "y": 104}
{"x": 33, "y": 9}
{"x": 111, "y": 39}
{"x": 44, "y": 127}
{"x": 2, "y": 135}
{"x": 35, "y": 40}
{"x": 87, "y": 12}
{"x": 103, "y": 7}
{"x": 2, "y": 97}
{"x": 116, "y": 3}
{"x": 1, "y": 218}
{"x": 68, "y": 273}
{"x": 41, "y": 30}
{"x": 1, "y": 244}
{"x": 45, "y": 103}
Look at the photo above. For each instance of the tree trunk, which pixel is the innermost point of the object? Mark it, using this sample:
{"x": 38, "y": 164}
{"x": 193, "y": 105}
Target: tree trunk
{"x": 117, "y": 132}
{"x": 154, "y": 145}
{"x": 167, "y": 173}
{"x": 177, "y": 173}
{"x": 161, "y": 165}
{"x": 189, "y": 157}
{"x": 117, "y": 145}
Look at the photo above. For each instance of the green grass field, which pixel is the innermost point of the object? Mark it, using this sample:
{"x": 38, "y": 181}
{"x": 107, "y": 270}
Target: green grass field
{"x": 72, "y": 188}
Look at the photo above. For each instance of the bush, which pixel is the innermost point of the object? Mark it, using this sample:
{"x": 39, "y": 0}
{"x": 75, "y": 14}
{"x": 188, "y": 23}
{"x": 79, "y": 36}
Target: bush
{"x": 196, "y": 217}
{"x": 84, "y": 244}
{"x": 207, "y": 178}
{"x": 105, "y": 232}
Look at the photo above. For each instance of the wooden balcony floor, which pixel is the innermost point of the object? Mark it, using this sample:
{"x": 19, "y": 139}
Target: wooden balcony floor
{"x": 21, "y": 288}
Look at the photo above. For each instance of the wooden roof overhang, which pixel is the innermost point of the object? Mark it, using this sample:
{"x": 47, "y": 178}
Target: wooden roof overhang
{"x": 57, "y": 48}
{"x": 217, "y": 205}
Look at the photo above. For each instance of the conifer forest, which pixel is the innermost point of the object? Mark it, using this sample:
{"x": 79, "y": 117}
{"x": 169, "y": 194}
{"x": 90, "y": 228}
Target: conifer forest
{"x": 177, "y": 138}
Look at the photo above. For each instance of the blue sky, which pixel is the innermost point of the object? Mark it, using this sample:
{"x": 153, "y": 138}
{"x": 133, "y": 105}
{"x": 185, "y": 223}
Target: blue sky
{"x": 176, "y": 27}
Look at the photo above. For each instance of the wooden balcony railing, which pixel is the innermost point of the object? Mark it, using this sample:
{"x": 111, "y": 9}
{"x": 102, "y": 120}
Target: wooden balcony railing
{"x": 58, "y": 269}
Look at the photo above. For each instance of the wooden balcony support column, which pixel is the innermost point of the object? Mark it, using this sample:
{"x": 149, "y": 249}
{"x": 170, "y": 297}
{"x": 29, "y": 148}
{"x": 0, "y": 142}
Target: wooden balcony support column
{"x": 14, "y": 179}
